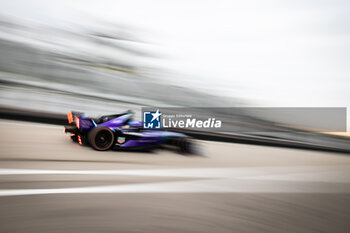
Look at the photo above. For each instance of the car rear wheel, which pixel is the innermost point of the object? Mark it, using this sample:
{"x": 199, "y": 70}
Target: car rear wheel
{"x": 101, "y": 138}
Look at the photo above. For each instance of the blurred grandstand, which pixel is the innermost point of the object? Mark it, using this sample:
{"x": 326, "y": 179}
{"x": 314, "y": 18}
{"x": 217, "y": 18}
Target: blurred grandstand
{"x": 102, "y": 62}
{"x": 108, "y": 68}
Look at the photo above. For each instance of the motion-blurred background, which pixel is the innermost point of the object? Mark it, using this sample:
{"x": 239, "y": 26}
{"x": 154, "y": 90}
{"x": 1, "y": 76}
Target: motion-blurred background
{"x": 218, "y": 58}
{"x": 109, "y": 56}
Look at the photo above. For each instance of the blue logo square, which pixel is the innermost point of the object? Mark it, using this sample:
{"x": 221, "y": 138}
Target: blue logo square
{"x": 152, "y": 120}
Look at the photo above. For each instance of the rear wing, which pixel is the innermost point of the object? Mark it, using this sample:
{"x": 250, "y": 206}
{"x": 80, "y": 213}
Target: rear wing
{"x": 71, "y": 116}
{"x": 80, "y": 120}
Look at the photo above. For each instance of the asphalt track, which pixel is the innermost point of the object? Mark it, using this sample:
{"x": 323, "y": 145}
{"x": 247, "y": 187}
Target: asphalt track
{"x": 49, "y": 184}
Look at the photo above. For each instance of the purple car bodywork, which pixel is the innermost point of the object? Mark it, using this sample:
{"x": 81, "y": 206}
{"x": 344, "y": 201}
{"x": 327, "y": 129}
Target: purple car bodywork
{"x": 129, "y": 133}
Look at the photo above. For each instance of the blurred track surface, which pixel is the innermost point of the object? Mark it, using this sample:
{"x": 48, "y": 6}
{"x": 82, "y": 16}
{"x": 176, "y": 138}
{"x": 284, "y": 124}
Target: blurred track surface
{"x": 49, "y": 184}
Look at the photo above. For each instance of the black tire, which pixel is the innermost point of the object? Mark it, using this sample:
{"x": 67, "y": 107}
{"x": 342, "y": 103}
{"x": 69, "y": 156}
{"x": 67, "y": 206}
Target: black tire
{"x": 101, "y": 138}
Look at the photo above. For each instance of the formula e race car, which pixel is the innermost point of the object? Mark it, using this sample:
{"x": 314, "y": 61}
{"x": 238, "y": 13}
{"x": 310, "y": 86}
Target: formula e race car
{"x": 121, "y": 132}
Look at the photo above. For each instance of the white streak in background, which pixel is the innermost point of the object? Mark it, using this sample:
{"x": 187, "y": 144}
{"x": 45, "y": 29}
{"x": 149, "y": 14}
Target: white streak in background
{"x": 199, "y": 186}
{"x": 185, "y": 172}
{"x": 321, "y": 176}
{"x": 299, "y": 179}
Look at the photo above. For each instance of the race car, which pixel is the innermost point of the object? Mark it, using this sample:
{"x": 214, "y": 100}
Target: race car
{"x": 121, "y": 132}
